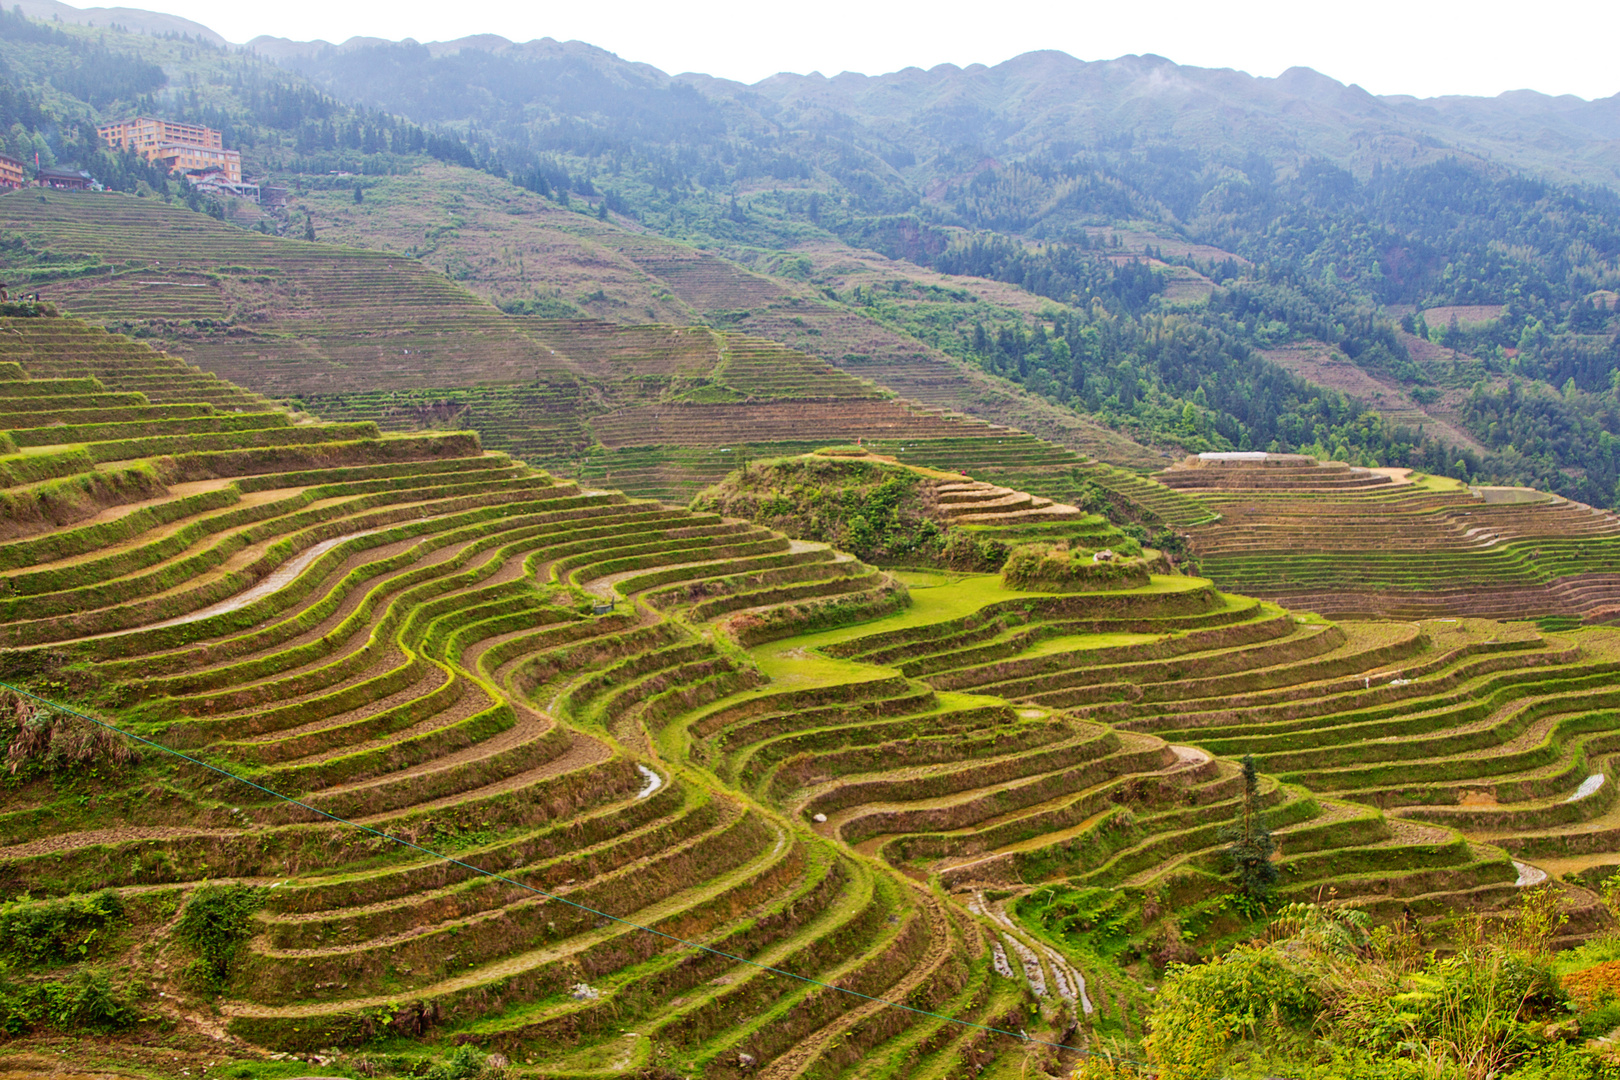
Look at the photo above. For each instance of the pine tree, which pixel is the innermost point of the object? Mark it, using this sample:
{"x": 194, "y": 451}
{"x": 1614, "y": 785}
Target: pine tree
{"x": 1248, "y": 855}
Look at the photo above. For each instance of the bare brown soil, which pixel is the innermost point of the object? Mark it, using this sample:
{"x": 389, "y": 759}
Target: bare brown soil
{"x": 1324, "y": 365}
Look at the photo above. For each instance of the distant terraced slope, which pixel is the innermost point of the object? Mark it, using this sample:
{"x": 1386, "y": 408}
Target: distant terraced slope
{"x": 1346, "y": 542}
{"x": 365, "y": 336}
{"x": 277, "y": 316}
{"x": 511, "y": 245}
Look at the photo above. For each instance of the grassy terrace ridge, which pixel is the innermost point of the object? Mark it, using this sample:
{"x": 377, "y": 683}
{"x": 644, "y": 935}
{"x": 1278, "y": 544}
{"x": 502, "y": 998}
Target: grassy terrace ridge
{"x": 1326, "y": 538}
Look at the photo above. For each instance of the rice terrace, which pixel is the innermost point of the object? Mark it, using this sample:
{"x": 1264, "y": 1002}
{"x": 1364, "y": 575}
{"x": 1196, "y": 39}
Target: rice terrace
{"x": 518, "y": 566}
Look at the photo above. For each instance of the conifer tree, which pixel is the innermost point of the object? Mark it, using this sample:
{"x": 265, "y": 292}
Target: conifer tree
{"x": 1250, "y": 847}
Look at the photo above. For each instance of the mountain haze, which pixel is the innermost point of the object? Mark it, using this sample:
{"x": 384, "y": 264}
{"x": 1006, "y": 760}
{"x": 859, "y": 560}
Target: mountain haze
{"x": 1047, "y": 99}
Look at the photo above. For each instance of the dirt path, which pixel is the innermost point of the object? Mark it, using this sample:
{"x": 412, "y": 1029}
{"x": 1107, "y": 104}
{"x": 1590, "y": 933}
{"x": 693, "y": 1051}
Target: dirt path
{"x": 272, "y": 582}
{"x": 47, "y": 845}
{"x": 1190, "y": 755}
{"x": 1071, "y": 984}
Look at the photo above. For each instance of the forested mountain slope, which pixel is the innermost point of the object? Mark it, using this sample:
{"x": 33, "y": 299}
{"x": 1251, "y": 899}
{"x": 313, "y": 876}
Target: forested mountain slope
{"x": 1323, "y": 214}
{"x": 1190, "y": 253}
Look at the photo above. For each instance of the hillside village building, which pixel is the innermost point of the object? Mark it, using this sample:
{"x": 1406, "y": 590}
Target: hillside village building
{"x": 184, "y": 148}
{"x": 65, "y": 179}
{"x": 13, "y": 173}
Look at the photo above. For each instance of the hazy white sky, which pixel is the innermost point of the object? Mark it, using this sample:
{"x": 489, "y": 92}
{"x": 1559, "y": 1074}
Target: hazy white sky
{"x": 1420, "y": 47}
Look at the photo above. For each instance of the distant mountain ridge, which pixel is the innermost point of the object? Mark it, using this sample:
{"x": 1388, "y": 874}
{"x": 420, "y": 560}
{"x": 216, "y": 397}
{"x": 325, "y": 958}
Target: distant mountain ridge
{"x": 1048, "y": 98}
{"x": 138, "y": 19}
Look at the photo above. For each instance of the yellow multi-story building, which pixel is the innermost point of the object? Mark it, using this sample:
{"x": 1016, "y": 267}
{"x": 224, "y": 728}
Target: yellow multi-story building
{"x": 13, "y": 173}
{"x": 182, "y": 147}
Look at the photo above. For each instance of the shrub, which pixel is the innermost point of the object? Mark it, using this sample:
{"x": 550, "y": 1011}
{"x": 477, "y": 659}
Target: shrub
{"x": 1322, "y": 986}
{"x": 215, "y": 924}
{"x": 1188, "y": 1040}
{"x": 35, "y": 932}
{"x": 1106, "y": 1065}
{"x": 1540, "y": 916}
{"x": 1057, "y": 568}
{"x": 87, "y": 1002}
{"x": 467, "y": 1063}
{"x": 872, "y": 510}
{"x": 967, "y": 550}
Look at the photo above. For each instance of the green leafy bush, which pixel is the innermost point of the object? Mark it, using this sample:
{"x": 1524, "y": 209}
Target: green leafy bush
{"x": 88, "y": 1002}
{"x": 40, "y": 932}
{"x": 215, "y": 924}
{"x": 464, "y": 1063}
{"x": 1320, "y": 990}
{"x": 1057, "y": 568}
{"x": 875, "y": 511}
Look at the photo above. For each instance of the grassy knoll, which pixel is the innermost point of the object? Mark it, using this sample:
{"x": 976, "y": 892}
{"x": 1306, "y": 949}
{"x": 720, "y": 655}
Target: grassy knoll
{"x": 903, "y": 515}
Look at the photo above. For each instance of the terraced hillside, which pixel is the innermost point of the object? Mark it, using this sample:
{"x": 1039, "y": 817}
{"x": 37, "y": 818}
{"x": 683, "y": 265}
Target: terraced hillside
{"x": 890, "y": 783}
{"x": 365, "y": 336}
{"x": 277, "y": 316}
{"x": 1342, "y": 542}
{"x": 517, "y": 248}
{"x": 1483, "y": 744}
{"x": 446, "y": 646}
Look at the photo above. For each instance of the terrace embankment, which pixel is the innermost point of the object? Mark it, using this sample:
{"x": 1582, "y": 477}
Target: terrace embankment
{"x": 458, "y": 650}
{"x": 645, "y": 716}
{"x": 1381, "y": 542}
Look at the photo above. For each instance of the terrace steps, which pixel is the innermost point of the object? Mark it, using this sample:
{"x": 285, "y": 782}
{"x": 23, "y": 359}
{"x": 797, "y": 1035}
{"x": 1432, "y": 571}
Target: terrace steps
{"x": 439, "y": 671}
{"x": 1410, "y": 551}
